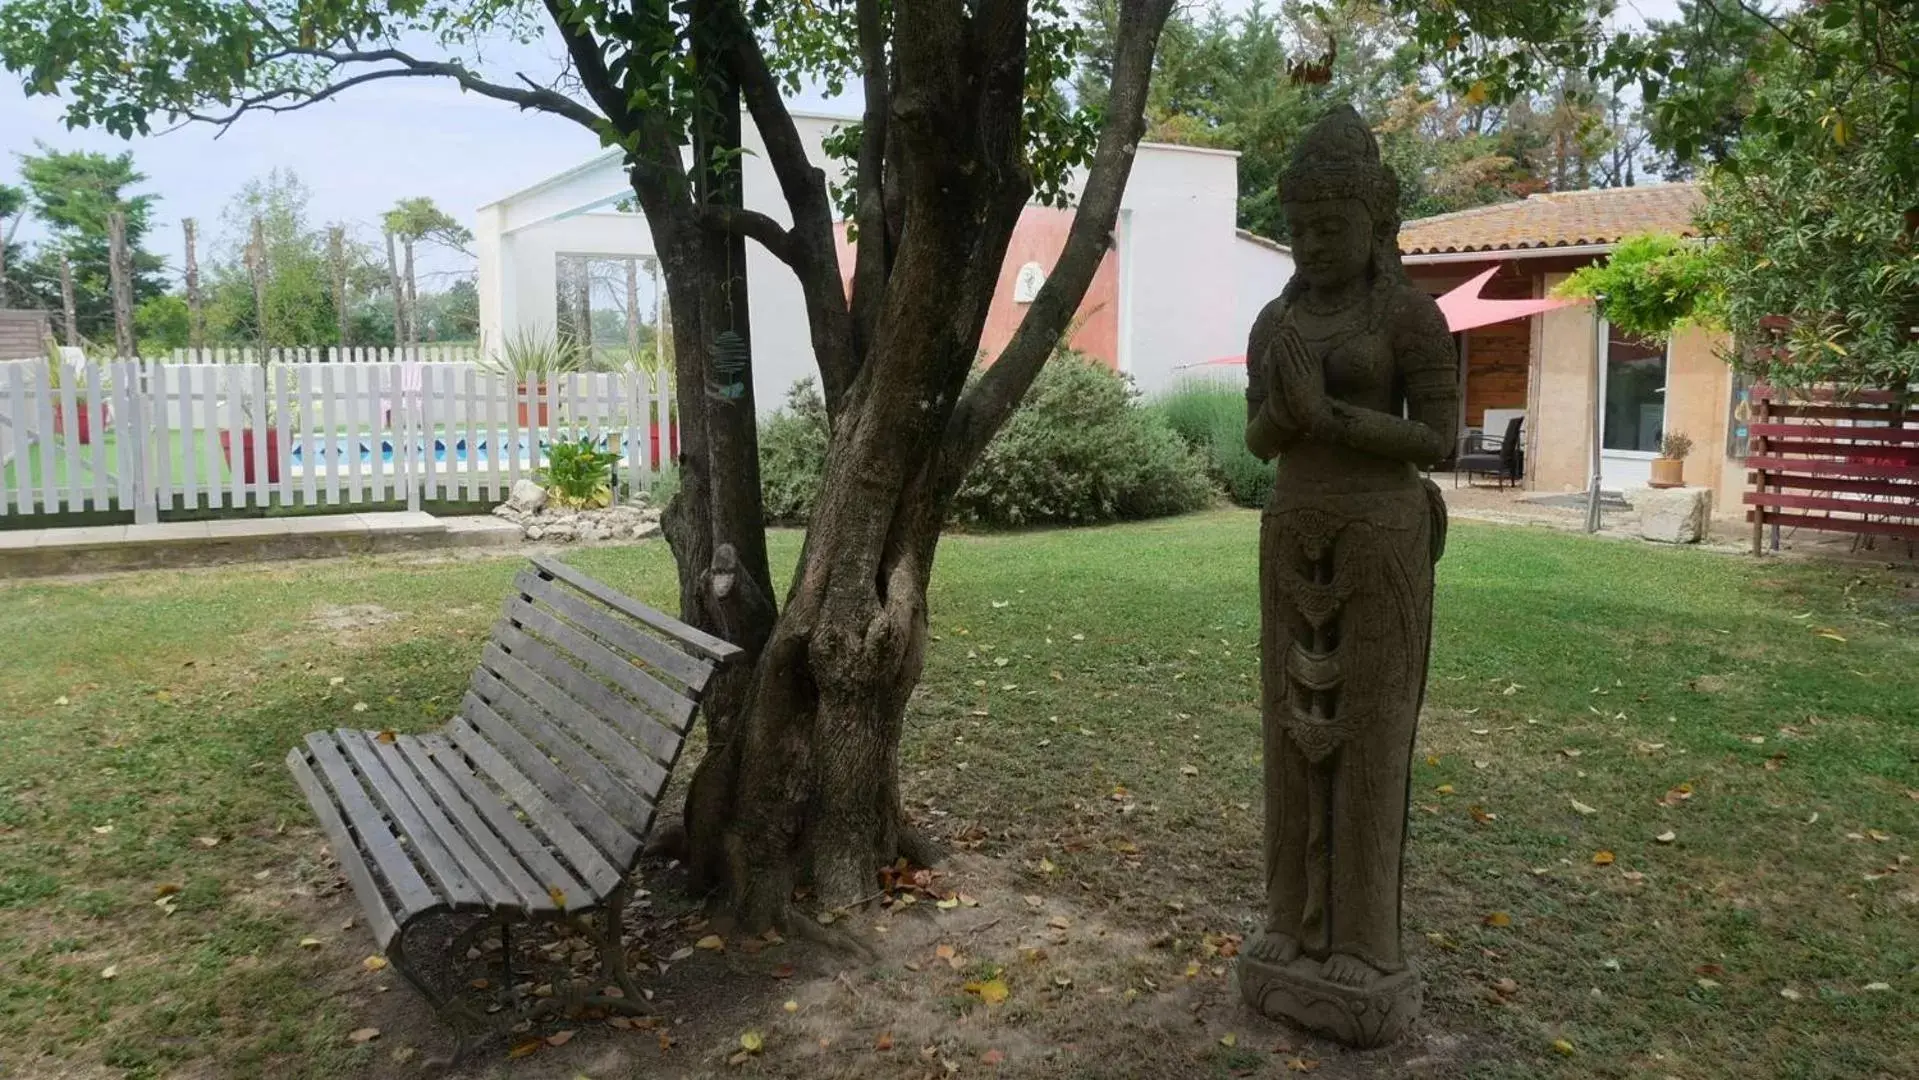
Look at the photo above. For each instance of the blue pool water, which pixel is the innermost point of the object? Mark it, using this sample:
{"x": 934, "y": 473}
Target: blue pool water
{"x": 455, "y": 450}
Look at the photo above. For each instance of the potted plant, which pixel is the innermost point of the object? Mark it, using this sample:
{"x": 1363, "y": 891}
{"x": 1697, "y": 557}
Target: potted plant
{"x": 579, "y": 474}
{"x": 530, "y": 356}
{"x": 1669, "y": 468}
{"x": 82, "y": 420}
{"x": 247, "y": 466}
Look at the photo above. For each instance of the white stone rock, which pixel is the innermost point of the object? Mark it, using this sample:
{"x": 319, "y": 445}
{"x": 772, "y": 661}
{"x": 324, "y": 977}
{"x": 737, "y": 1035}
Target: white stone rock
{"x": 526, "y": 496}
{"x": 1673, "y": 515}
{"x": 647, "y": 531}
{"x": 534, "y": 532}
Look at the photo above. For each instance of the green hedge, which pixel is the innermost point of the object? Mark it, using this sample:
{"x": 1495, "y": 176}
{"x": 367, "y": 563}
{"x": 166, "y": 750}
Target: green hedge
{"x": 1211, "y": 417}
{"x": 1078, "y": 451}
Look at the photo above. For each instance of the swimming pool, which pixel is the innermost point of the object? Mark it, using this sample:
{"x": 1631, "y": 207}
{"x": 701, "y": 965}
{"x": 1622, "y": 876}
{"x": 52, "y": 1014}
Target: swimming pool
{"x": 459, "y": 451}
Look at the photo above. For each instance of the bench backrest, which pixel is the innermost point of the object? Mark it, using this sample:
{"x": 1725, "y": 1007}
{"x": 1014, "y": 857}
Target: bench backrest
{"x": 585, "y": 696}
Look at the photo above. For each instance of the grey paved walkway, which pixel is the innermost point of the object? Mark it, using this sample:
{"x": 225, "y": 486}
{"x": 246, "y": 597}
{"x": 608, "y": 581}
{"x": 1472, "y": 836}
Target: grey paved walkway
{"x": 95, "y": 548}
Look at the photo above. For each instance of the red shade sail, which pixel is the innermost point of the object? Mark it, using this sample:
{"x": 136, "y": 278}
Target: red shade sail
{"x": 1463, "y": 307}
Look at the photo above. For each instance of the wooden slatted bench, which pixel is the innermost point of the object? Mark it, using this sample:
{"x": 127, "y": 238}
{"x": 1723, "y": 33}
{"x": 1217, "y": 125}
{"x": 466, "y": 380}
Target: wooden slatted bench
{"x": 534, "y": 801}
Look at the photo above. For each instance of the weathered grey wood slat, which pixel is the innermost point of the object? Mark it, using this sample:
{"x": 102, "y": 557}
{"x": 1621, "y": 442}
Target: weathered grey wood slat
{"x": 656, "y": 695}
{"x": 493, "y": 889}
{"x": 492, "y": 743}
{"x": 562, "y": 838}
{"x": 616, "y": 795}
{"x": 516, "y": 887}
{"x": 539, "y": 862}
{"x": 700, "y": 642}
{"x": 591, "y": 616}
{"x": 446, "y": 865}
{"x": 379, "y": 917}
{"x": 375, "y": 837}
{"x": 613, "y": 722}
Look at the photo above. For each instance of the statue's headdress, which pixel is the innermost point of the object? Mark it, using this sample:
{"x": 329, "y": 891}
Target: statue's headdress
{"x": 1338, "y": 158}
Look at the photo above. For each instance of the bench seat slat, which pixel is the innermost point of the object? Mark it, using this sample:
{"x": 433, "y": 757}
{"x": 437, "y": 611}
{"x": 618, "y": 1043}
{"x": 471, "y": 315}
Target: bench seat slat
{"x": 378, "y": 916}
{"x": 585, "y": 702}
{"x": 376, "y": 837}
{"x": 615, "y": 795}
{"x": 445, "y": 866}
{"x": 478, "y": 734}
{"x": 591, "y": 616}
{"x": 510, "y": 884}
{"x": 657, "y": 696}
{"x": 700, "y": 642}
{"x": 367, "y": 749}
{"x": 545, "y": 870}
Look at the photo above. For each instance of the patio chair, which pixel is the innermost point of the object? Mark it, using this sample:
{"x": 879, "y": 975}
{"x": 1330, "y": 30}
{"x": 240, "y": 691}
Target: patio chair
{"x": 1503, "y": 458}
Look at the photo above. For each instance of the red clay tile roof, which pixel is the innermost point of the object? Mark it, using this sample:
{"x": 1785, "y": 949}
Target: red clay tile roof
{"x": 1556, "y": 219}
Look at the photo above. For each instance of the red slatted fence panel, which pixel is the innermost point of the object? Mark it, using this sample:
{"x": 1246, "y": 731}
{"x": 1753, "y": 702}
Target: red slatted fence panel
{"x": 1834, "y": 461}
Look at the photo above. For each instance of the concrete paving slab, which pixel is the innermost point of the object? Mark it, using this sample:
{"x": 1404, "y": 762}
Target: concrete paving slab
{"x": 20, "y": 539}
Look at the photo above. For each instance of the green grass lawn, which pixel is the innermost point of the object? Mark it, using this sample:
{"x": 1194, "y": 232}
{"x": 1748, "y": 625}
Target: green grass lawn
{"x": 1587, "y": 696}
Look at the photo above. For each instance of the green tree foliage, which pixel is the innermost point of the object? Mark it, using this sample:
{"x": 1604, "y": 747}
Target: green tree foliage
{"x": 1651, "y": 285}
{"x": 1223, "y": 80}
{"x": 298, "y": 280}
{"x": 161, "y": 323}
{"x": 72, "y": 194}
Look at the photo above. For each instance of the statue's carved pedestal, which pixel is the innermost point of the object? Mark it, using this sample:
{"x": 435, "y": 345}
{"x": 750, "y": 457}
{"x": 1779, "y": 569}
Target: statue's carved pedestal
{"x": 1358, "y": 1016}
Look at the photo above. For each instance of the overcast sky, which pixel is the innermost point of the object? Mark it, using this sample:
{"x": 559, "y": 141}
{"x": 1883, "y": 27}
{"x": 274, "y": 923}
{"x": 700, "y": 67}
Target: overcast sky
{"x": 357, "y": 153}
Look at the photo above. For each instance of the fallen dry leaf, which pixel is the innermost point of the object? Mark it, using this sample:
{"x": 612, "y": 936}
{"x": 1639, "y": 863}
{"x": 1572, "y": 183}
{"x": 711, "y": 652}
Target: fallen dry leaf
{"x": 1602, "y": 858}
{"x": 791, "y": 1006}
{"x": 374, "y": 963}
{"x": 1302, "y": 1065}
{"x": 1582, "y": 808}
{"x": 1229, "y": 1040}
{"x": 752, "y": 1041}
{"x": 713, "y": 942}
{"x": 1499, "y": 918}
{"x": 1444, "y": 789}
{"x": 309, "y": 943}
{"x": 560, "y": 1038}
{"x": 884, "y": 1042}
{"x": 1666, "y": 837}
{"x": 520, "y": 1050}
{"x": 365, "y": 1034}
{"x": 993, "y": 1057}
{"x": 109, "y": 971}
{"x": 1561, "y": 1046}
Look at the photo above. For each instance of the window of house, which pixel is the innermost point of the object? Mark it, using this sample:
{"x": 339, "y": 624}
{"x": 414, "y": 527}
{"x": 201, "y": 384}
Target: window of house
{"x": 1635, "y": 393}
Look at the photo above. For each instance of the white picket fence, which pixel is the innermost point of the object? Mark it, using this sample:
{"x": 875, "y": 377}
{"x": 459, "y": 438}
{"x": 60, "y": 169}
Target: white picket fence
{"x": 327, "y": 354}
{"x": 165, "y": 437}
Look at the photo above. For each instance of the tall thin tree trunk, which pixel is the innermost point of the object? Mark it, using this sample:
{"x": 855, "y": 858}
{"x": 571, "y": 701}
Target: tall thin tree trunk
{"x": 196, "y": 317}
{"x": 412, "y": 300}
{"x": 633, "y": 307}
{"x": 336, "y": 254}
{"x": 257, "y": 267}
{"x": 399, "y": 293}
{"x": 67, "y": 310}
{"x": 583, "y": 306}
{"x": 120, "y": 283}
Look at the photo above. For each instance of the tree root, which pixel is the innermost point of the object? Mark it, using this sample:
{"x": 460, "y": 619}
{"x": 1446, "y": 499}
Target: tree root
{"x": 803, "y": 927}
{"x": 919, "y": 848}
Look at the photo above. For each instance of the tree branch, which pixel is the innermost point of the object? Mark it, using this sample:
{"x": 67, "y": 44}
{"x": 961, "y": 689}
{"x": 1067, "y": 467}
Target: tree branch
{"x": 533, "y": 97}
{"x": 984, "y": 408}
{"x": 872, "y": 254}
{"x": 816, "y": 260}
{"x": 585, "y": 53}
{"x": 755, "y": 226}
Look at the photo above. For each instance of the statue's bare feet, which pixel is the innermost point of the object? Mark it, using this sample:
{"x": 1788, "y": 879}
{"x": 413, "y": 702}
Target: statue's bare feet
{"x": 1273, "y": 947}
{"x": 1344, "y": 969}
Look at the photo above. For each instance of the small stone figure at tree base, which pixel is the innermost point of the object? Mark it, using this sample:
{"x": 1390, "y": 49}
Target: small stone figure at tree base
{"x": 1353, "y": 384}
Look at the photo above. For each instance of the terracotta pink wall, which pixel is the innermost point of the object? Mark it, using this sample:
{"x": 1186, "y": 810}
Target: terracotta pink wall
{"x": 1040, "y": 237}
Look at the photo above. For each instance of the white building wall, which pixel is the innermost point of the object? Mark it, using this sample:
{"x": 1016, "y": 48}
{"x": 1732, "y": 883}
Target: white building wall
{"x": 1177, "y": 304}
{"x": 1181, "y": 268}
{"x": 1261, "y": 270}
